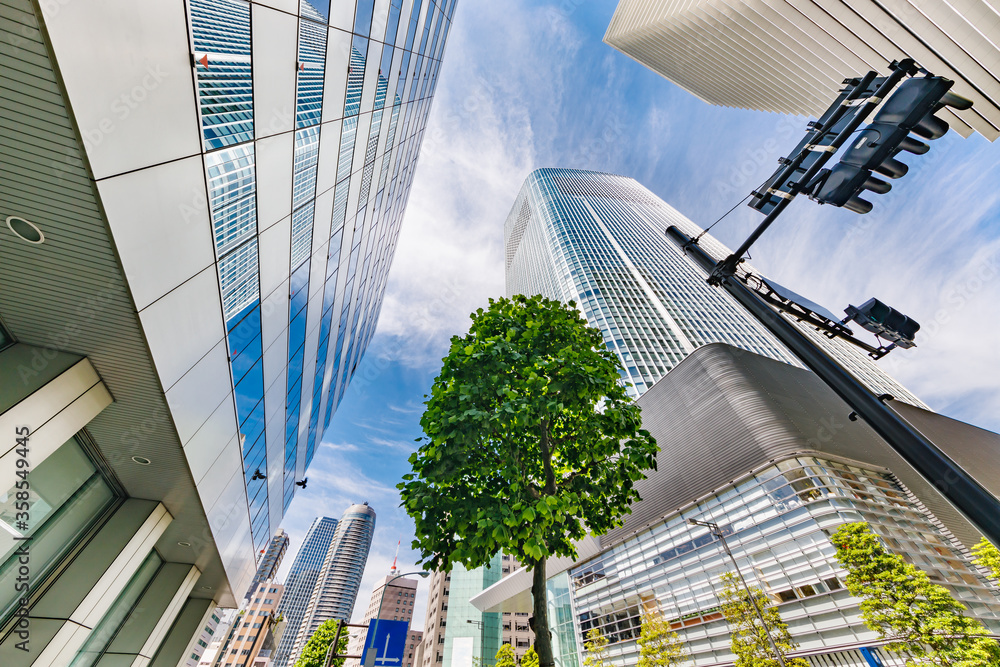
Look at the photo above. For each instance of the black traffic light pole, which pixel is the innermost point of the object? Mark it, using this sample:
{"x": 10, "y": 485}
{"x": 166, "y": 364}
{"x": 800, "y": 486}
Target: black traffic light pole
{"x": 727, "y": 267}
{"x": 977, "y": 504}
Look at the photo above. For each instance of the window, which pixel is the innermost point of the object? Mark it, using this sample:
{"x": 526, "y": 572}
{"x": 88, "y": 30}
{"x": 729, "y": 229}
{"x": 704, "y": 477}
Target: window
{"x": 77, "y": 495}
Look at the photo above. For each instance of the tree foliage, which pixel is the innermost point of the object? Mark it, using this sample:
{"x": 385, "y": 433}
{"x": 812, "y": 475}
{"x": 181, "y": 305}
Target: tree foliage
{"x": 530, "y": 439}
{"x": 749, "y": 637}
{"x": 659, "y": 646}
{"x": 506, "y": 657}
{"x": 315, "y": 649}
{"x": 902, "y": 604}
{"x": 530, "y": 443}
{"x": 595, "y": 649}
{"x": 530, "y": 658}
{"x": 988, "y": 556}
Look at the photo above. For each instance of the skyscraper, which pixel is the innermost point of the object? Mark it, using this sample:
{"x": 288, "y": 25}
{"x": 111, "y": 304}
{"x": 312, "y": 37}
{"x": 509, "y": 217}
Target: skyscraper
{"x": 271, "y": 560}
{"x": 251, "y": 637}
{"x": 599, "y": 240}
{"x": 301, "y": 581}
{"x": 791, "y": 57}
{"x": 337, "y": 585}
{"x": 199, "y": 214}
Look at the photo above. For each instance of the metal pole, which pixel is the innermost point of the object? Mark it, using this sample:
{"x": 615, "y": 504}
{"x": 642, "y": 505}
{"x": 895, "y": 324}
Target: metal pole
{"x": 978, "y": 505}
{"x": 335, "y": 644}
{"x": 714, "y": 527}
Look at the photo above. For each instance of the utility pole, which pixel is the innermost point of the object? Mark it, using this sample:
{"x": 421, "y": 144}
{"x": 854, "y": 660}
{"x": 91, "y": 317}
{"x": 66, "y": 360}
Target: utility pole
{"x": 978, "y": 505}
{"x": 714, "y": 529}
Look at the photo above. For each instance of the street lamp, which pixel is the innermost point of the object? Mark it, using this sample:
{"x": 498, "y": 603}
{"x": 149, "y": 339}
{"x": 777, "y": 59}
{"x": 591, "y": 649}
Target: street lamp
{"x": 715, "y": 530}
{"x": 370, "y": 663}
{"x": 482, "y": 639}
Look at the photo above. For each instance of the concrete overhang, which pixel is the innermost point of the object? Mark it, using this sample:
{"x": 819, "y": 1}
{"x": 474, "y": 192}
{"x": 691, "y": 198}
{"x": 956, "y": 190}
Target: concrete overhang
{"x": 66, "y": 297}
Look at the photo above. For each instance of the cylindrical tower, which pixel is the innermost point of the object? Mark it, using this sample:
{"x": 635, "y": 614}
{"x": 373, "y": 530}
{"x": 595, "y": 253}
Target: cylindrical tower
{"x": 337, "y": 586}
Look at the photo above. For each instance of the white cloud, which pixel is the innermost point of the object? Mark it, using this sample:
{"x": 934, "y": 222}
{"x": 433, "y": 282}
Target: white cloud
{"x": 479, "y": 146}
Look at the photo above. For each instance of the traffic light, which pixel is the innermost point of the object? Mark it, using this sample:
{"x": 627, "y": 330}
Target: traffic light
{"x": 911, "y": 108}
{"x": 884, "y": 321}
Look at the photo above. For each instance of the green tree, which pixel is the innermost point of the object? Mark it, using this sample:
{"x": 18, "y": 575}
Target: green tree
{"x": 749, "y": 637}
{"x": 659, "y": 646}
{"x": 902, "y": 604}
{"x": 595, "y": 649}
{"x": 506, "y": 656}
{"x": 988, "y": 556}
{"x": 531, "y": 442}
{"x": 530, "y": 658}
{"x": 315, "y": 649}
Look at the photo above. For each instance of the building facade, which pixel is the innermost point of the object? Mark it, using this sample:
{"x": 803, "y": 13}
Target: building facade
{"x": 451, "y": 621}
{"x": 339, "y": 579}
{"x": 392, "y": 600}
{"x": 301, "y": 581}
{"x": 270, "y": 561}
{"x": 249, "y": 642}
{"x": 766, "y": 451}
{"x": 791, "y": 57}
{"x": 599, "y": 240}
{"x": 198, "y": 220}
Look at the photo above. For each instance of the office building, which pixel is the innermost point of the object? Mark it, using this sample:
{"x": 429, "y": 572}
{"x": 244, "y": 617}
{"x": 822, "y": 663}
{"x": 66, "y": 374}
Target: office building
{"x": 791, "y": 56}
{"x": 456, "y": 632}
{"x": 392, "y": 600}
{"x": 271, "y": 560}
{"x": 202, "y": 648}
{"x": 200, "y": 202}
{"x": 339, "y": 579}
{"x": 599, "y": 240}
{"x": 766, "y": 451}
{"x": 250, "y": 640}
{"x": 301, "y": 581}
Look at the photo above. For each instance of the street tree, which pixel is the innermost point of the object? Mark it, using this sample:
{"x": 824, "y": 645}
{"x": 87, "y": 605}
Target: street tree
{"x": 988, "y": 556}
{"x": 530, "y": 443}
{"x": 595, "y": 649}
{"x": 315, "y": 649}
{"x": 659, "y": 646}
{"x": 899, "y": 601}
{"x": 506, "y": 657}
{"x": 530, "y": 658}
{"x": 750, "y": 641}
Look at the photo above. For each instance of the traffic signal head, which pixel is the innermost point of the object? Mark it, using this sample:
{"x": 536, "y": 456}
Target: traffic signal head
{"x": 885, "y": 322}
{"x": 910, "y": 108}
{"x": 842, "y": 185}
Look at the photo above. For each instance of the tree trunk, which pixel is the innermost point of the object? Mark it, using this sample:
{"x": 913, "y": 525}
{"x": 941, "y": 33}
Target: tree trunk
{"x": 540, "y": 620}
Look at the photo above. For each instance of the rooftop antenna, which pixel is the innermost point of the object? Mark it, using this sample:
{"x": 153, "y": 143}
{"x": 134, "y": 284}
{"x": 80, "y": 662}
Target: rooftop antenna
{"x": 392, "y": 570}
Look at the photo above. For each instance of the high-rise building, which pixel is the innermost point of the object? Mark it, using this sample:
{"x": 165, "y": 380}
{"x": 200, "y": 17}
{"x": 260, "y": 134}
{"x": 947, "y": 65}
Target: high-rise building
{"x": 392, "y": 600}
{"x": 271, "y": 560}
{"x": 250, "y": 634}
{"x": 791, "y": 57}
{"x": 301, "y": 581}
{"x": 599, "y": 240}
{"x": 766, "y": 451}
{"x": 199, "y": 217}
{"x": 339, "y": 579}
{"x": 455, "y": 631}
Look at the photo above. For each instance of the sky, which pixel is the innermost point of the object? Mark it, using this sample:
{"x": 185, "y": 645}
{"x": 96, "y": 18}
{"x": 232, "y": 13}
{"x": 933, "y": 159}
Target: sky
{"x": 531, "y": 84}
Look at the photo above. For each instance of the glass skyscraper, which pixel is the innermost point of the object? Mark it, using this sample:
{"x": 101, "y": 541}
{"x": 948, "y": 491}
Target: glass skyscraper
{"x": 301, "y": 581}
{"x": 362, "y": 89}
{"x": 200, "y": 201}
{"x": 336, "y": 588}
{"x": 599, "y": 240}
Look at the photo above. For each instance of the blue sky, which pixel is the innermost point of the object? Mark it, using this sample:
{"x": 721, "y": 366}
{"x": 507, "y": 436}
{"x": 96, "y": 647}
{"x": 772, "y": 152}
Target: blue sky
{"x": 530, "y": 84}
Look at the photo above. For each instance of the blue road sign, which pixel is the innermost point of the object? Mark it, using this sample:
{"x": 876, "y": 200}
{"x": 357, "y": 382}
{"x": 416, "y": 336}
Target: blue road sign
{"x": 385, "y": 643}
